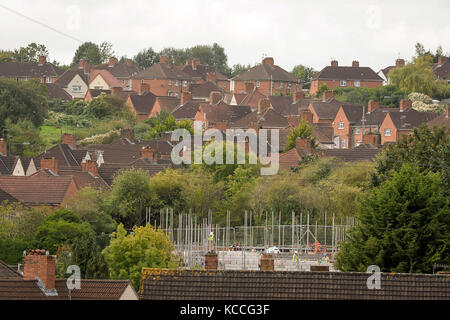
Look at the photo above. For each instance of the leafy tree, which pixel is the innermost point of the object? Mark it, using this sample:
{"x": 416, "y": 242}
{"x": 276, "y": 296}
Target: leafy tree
{"x": 25, "y": 100}
{"x": 388, "y": 95}
{"x": 177, "y": 56}
{"x": 302, "y": 131}
{"x": 144, "y": 247}
{"x": 164, "y": 122}
{"x": 130, "y": 195}
{"x": 403, "y": 225}
{"x": 305, "y": 74}
{"x": 11, "y": 250}
{"x": 30, "y": 53}
{"x": 90, "y": 52}
{"x": 146, "y": 58}
{"x": 106, "y": 51}
{"x": 322, "y": 89}
{"x": 24, "y": 138}
{"x": 238, "y": 69}
{"x": 6, "y": 55}
{"x": 428, "y": 150}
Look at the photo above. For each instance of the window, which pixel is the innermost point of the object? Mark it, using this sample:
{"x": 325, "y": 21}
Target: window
{"x": 340, "y": 125}
{"x": 387, "y": 132}
{"x": 170, "y": 82}
{"x": 185, "y": 83}
{"x": 47, "y": 80}
{"x": 176, "y": 83}
{"x": 344, "y": 143}
{"x": 76, "y": 88}
{"x": 281, "y": 85}
{"x": 357, "y": 131}
{"x": 357, "y": 84}
{"x": 289, "y": 85}
{"x": 142, "y": 81}
{"x": 258, "y": 83}
{"x": 343, "y": 83}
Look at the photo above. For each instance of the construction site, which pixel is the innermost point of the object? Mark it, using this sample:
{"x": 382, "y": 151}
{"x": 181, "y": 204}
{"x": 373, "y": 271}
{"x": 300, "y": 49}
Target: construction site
{"x": 302, "y": 245}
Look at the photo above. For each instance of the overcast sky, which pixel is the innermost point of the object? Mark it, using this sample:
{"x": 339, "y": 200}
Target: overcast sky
{"x": 291, "y": 31}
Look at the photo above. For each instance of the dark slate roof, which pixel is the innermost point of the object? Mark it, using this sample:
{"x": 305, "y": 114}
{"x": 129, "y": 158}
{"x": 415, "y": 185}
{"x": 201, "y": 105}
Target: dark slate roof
{"x": 440, "y": 121}
{"x": 410, "y": 118}
{"x": 187, "y": 110}
{"x": 267, "y": 119}
{"x": 108, "y": 171}
{"x": 265, "y": 72}
{"x": 168, "y": 104}
{"x": 29, "y": 69}
{"x": 56, "y": 92}
{"x": 353, "y": 112}
{"x": 374, "y": 118}
{"x": 5, "y": 196}
{"x": 68, "y": 158}
{"x": 252, "y": 99}
{"x": 326, "y": 110}
{"x": 7, "y": 164}
{"x": 203, "y": 90}
{"x": 64, "y": 79}
{"x": 8, "y": 272}
{"x": 36, "y": 189}
{"x": 85, "y": 179}
{"x": 323, "y": 133}
{"x": 223, "y": 112}
{"x": 160, "y": 284}
{"x": 363, "y": 152}
{"x": 162, "y": 71}
{"x": 285, "y": 106}
{"x": 347, "y": 73}
{"x": 442, "y": 71}
{"x": 143, "y": 103}
{"x": 120, "y": 70}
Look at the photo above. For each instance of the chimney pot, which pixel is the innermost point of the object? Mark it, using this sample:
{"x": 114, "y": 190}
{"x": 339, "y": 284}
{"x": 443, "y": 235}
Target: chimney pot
{"x": 269, "y": 61}
{"x": 50, "y": 164}
{"x": 3, "y": 147}
{"x": 69, "y": 139}
{"x": 334, "y": 63}
{"x": 355, "y": 63}
{"x": 112, "y": 61}
{"x": 404, "y": 104}
{"x": 327, "y": 95}
{"x": 42, "y": 60}
{"x": 372, "y": 105}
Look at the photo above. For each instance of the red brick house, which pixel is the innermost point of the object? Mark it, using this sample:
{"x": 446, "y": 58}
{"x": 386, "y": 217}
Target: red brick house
{"x": 201, "y": 73}
{"x": 163, "y": 79}
{"x": 121, "y": 71}
{"x": 441, "y": 69}
{"x": 335, "y": 76}
{"x": 346, "y": 117}
{"x": 42, "y": 70}
{"x": 268, "y": 78}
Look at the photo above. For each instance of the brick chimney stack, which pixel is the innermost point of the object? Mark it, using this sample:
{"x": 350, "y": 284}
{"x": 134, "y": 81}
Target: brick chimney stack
{"x": 129, "y": 62}
{"x": 263, "y": 104}
{"x": 69, "y": 139}
{"x": 85, "y": 66}
{"x": 164, "y": 59}
{"x": 211, "y": 76}
{"x": 355, "y": 63}
{"x": 148, "y": 152}
{"x": 442, "y": 60}
{"x": 195, "y": 63}
{"x": 404, "y": 104}
{"x": 188, "y": 62}
{"x": 112, "y": 61}
{"x": 3, "y": 147}
{"x": 211, "y": 261}
{"x": 39, "y": 264}
{"x": 143, "y": 87}
{"x": 215, "y": 97}
{"x": 267, "y": 262}
{"x": 90, "y": 166}
{"x": 116, "y": 90}
{"x": 399, "y": 63}
{"x": 298, "y": 95}
{"x": 249, "y": 86}
{"x": 269, "y": 61}
{"x": 334, "y": 63}
{"x": 42, "y": 60}
{"x": 127, "y": 133}
{"x": 327, "y": 95}
{"x": 302, "y": 143}
{"x": 307, "y": 115}
{"x": 185, "y": 97}
{"x": 372, "y": 105}
{"x": 50, "y": 164}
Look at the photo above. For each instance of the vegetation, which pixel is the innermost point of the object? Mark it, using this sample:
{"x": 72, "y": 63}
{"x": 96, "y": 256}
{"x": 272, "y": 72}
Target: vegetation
{"x": 302, "y": 131}
{"x": 388, "y": 95}
{"x": 304, "y": 74}
{"x": 93, "y": 53}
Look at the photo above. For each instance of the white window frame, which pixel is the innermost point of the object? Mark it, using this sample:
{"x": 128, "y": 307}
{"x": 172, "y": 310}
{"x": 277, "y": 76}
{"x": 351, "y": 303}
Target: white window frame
{"x": 357, "y": 83}
{"x": 343, "y": 83}
{"x": 357, "y": 131}
{"x": 185, "y": 83}
{"x": 387, "y": 132}
{"x": 48, "y": 80}
{"x": 76, "y": 88}
{"x": 176, "y": 83}
{"x": 341, "y": 125}
{"x": 170, "y": 82}
{"x": 281, "y": 85}
{"x": 258, "y": 84}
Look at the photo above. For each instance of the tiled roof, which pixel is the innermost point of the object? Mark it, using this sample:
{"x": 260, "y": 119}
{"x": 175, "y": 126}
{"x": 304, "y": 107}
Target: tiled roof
{"x": 110, "y": 80}
{"x": 326, "y": 110}
{"x": 85, "y": 179}
{"x": 353, "y": 112}
{"x": 163, "y": 284}
{"x": 440, "y": 121}
{"x": 93, "y": 289}
{"x": 5, "y": 196}
{"x": 363, "y": 152}
{"x": 162, "y": 71}
{"x": 29, "y": 69}
{"x": 252, "y": 99}
{"x": 7, "y": 164}
{"x": 168, "y": 104}
{"x": 8, "y": 272}
{"x": 323, "y": 133}
{"x": 65, "y": 78}
{"x": 56, "y": 92}
{"x": 267, "y": 119}
{"x": 187, "y": 110}
{"x": 120, "y": 70}
{"x": 410, "y": 118}
{"x": 266, "y": 72}
{"x": 143, "y": 103}
{"x": 36, "y": 190}
{"x": 291, "y": 158}
{"x": 203, "y": 90}
{"x": 442, "y": 71}
{"x": 374, "y": 118}
{"x": 285, "y": 106}
{"x": 19, "y": 289}
{"x": 347, "y": 73}
{"x": 68, "y": 158}
{"x": 223, "y": 112}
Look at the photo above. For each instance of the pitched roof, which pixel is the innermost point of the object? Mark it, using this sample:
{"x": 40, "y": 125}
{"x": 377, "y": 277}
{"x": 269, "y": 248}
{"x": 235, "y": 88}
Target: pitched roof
{"x": 291, "y": 158}
{"x": 266, "y": 72}
{"x": 85, "y": 179}
{"x": 326, "y": 110}
{"x": 120, "y": 70}
{"x": 36, "y": 190}
{"x": 323, "y": 133}
{"x": 347, "y": 73}
{"x": 203, "y": 90}
{"x": 162, "y": 71}
{"x": 68, "y": 158}
{"x": 143, "y": 103}
{"x": 267, "y": 119}
{"x": 223, "y": 112}
{"x": 163, "y": 284}
{"x": 440, "y": 121}
{"x": 110, "y": 80}
{"x": 65, "y": 78}
{"x": 201, "y": 71}
{"x": 252, "y": 99}
{"x": 8, "y": 272}
{"x": 285, "y": 106}
{"x": 168, "y": 104}
{"x": 363, "y": 152}
{"x": 410, "y": 118}
{"x": 187, "y": 110}
{"x": 7, "y": 164}
{"x": 5, "y": 196}
{"x": 56, "y": 92}
{"x": 29, "y": 69}
{"x": 353, "y": 112}
{"x": 442, "y": 71}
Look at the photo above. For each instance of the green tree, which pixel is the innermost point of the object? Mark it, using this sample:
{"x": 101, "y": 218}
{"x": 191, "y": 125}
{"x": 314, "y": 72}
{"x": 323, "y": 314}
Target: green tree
{"x": 126, "y": 255}
{"x": 88, "y": 51}
{"x": 322, "y": 89}
{"x": 25, "y": 100}
{"x": 302, "y": 131}
{"x": 30, "y": 53}
{"x": 305, "y": 74}
{"x": 403, "y": 226}
{"x": 24, "y": 138}
{"x": 238, "y": 69}
{"x": 6, "y": 55}
{"x": 130, "y": 195}
{"x": 146, "y": 58}
{"x": 106, "y": 51}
